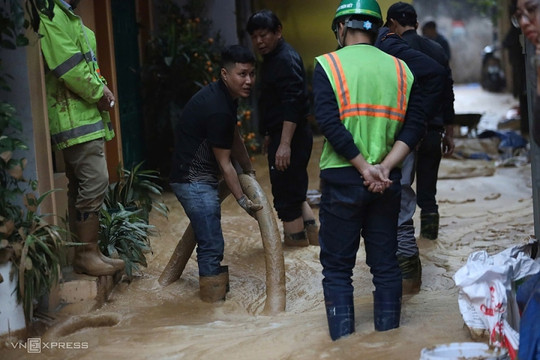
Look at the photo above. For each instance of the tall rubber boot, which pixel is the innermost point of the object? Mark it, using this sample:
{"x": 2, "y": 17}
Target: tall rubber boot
{"x": 429, "y": 225}
{"x": 88, "y": 258}
{"x": 312, "y": 232}
{"x": 386, "y": 309}
{"x": 213, "y": 288}
{"x": 340, "y": 315}
{"x": 72, "y": 218}
{"x": 224, "y": 269}
{"x": 296, "y": 239}
{"x": 411, "y": 273}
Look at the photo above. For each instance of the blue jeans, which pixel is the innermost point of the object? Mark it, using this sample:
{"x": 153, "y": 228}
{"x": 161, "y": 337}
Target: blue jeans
{"x": 202, "y": 206}
{"x": 346, "y": 212}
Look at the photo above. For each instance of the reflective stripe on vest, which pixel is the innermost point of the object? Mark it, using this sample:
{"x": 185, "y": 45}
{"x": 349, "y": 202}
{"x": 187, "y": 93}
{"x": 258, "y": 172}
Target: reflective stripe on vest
{"x": 347, "y": 109}
{"x": 78, "y": 131}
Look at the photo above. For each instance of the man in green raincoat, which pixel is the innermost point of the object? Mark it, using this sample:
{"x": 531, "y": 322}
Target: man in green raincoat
{"x": 78, "y": 102}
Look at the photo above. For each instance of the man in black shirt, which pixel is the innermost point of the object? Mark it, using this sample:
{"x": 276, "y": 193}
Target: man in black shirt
{"x": 206, "y": 141}
{"x": 431, "y": 78}
{"x": 283, "y": 110}
{"x": 402, "y": 19}
{"x": 429, "y": 30}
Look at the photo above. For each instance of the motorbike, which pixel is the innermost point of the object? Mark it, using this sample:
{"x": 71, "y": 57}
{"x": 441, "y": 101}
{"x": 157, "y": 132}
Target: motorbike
{"x": 492, "y": 78}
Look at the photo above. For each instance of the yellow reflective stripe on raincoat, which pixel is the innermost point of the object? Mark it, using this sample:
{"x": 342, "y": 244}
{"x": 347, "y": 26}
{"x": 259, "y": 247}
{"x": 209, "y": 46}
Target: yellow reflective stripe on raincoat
{"x": 70, "y": 63}
{"x": 65, "y": 136}
{"x": 372, "y": 90}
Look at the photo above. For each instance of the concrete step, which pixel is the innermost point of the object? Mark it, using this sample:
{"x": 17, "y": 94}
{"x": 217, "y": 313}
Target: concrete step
{"x": 90, "y": 291}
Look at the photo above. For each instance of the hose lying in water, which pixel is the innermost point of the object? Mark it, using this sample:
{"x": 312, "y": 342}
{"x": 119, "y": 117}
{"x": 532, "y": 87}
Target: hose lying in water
{"x": 273, "y": 253}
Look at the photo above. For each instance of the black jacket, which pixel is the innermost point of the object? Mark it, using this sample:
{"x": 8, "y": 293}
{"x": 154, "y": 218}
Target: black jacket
{"x": 283, "y": 93}
{"x": 435, "y": 51}
{"x": 429, "y": 74}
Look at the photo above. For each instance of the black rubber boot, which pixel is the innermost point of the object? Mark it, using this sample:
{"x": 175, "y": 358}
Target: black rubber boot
{"x": 429, "y": 225}
{"x": 386, "y": 309}
{"x": 296, "y": 239}
{"x": 312, "y": 232}
{"x": 340, "y": 315}
{"x": 224, "y": 269}
{"x": 411, "y": 273}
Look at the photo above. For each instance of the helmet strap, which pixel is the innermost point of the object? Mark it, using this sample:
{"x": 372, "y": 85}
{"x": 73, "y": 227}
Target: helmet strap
{"x": 344, "y": 35}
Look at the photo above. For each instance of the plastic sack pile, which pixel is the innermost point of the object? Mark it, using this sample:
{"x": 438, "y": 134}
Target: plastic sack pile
{"x": 487, "y": 293}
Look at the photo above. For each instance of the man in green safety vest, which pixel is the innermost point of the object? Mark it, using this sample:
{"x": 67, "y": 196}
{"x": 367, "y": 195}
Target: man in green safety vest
{"x": 368, "y": 108}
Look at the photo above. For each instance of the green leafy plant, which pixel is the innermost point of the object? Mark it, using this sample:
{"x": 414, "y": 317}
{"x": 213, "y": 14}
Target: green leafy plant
{"x": 40, "y": 253}
{"x": 11, "y": 168}
{"x": 136, "y": 189}
{"x": 35, "y": 247}
{"x": 186, "y": 48}
{"x": 180, "y": 59}
{"x": 125, "y": 235}
{"x": 125, "y": 231}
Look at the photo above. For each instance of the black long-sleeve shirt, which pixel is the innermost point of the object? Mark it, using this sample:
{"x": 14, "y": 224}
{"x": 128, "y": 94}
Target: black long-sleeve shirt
{"x": 430, "y": 75}
{"x": 284, "y": 95}
{"x": 435, "y": 51}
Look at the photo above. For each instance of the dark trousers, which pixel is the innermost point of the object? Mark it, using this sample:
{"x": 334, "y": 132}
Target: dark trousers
{"x": 289, "y": 187}
{"x": 428, "y": 159}
{"x": 348, "y": 212}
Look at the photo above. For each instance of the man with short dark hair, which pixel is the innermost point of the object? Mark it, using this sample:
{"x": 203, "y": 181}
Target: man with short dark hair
{"x": 206, "y": 140}
{"x": 283, "y": 112}
{"x": 431, "y": 77}
{"x": 429, "y": 30}
{"x": 402, "y": 19}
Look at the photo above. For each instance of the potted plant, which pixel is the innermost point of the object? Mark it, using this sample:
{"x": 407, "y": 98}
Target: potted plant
{"x": 34, "y": 248}
{"x": 124, "y": 219}
{"x": 137, "y": 188}
{"x": 124, "y": 234}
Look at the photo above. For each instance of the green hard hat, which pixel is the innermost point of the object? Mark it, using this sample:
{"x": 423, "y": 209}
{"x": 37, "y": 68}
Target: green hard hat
{"x": 358, "y": 7}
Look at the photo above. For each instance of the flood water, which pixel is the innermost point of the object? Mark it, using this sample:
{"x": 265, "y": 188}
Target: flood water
{"x": 148, "y": 321}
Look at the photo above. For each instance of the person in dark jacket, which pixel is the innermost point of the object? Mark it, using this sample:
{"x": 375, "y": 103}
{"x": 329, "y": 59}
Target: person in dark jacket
{"x": 283, "y": 111}
{"x": 429, "y": 30}
{"x": 402, "y": 19}
{"x": 431, "y": 76}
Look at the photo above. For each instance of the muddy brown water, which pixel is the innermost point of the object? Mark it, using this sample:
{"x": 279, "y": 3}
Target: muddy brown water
{"x": 482, "y": 207}
{"x": 154, "y": 322}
